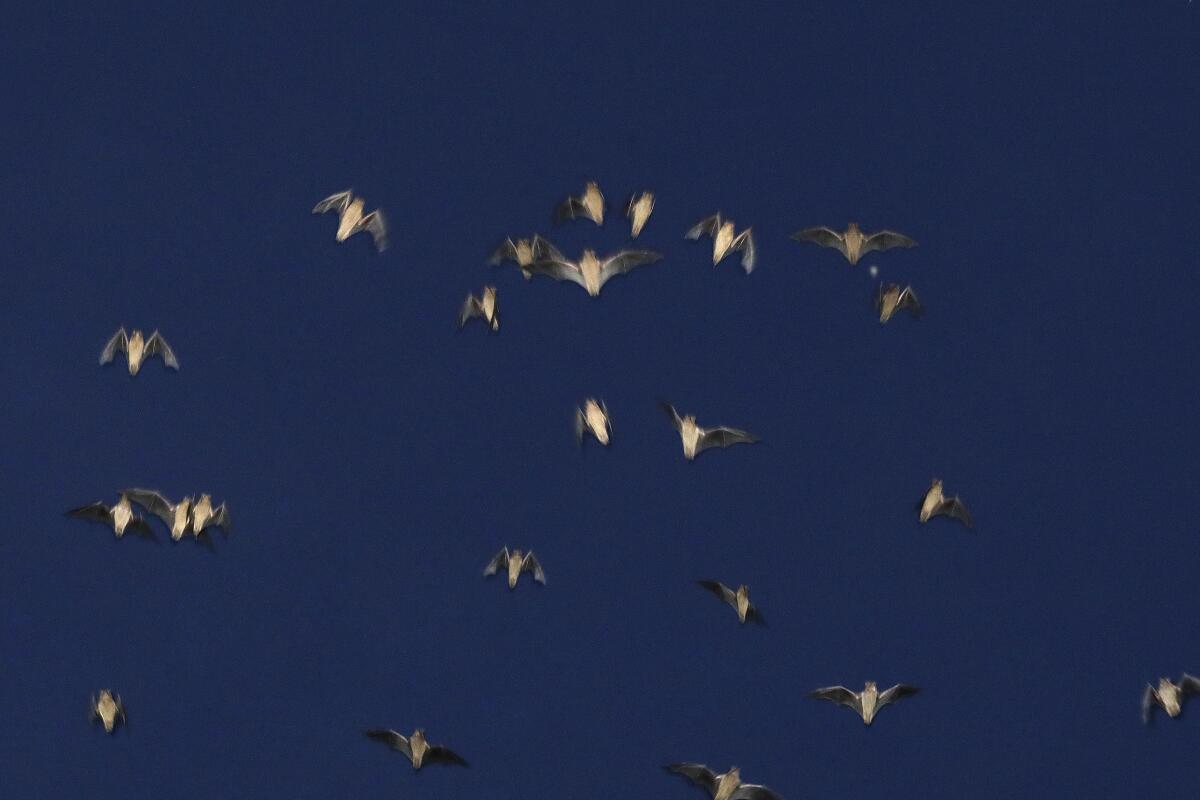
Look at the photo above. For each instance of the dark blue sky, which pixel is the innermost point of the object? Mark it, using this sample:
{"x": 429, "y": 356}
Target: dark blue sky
{"x": 161, "y": 172}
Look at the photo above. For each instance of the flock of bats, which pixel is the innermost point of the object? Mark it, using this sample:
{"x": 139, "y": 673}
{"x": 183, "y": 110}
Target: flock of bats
{"x": 537, "y": 256}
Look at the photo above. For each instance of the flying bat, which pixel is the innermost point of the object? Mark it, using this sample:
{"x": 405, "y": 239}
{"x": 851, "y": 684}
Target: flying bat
{"x": 740, "y": 600}
{"x": 137, "y": 349}
{"x": 891, "y": 298}
{"x": 524, "y": 252}
{"x": 591, "y": 272}
{"x": 351, "y": 219}
{"x": 935, "y": 503}
{"x": 638, "y": 210}
{"x": 1168, "y": 696}
{"x": 696, "y": 439}
{"x": 516, "y": 562}
{"x": 593, "y": 418}
{"x": 725, "y": 786}
{"x": 483, "y": 307}
{"x": 867, "y": 702}
{"x": 853, "y": 243}
{"x": 590, "y": 204}
{"x": 120, "y": 517}
{"x": 724, "y": 240}
{"x": 416, "y": 748}
{"x": 107, "y": 708}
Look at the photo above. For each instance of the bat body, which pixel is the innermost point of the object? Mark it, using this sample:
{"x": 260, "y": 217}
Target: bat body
{"x": 109, "y": 709}
{"x": 638, "y": 210}
{"x": 593, "y": 418}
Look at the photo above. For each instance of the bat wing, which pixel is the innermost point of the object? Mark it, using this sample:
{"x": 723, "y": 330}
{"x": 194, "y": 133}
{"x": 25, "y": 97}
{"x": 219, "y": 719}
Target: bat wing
{"x": 672, "y": 414}
{"x": 752, "y": 613}
{"x": 752, "y": 791}
{"x": 570, "y": 208}
{"x": 392, "y": 739}
{"x": 498, "y": 561}
{"x": 1147, "y": 703}
{"x": 886, "y": 240}
{"x": 376, "y": 224}
{"x": 530, "y": 564}
{"x": 559, "y": 269}
{"x": 1189, "y": 685}
{"x": 335, "y": 202}
{"x": 153, "y": 502}
{"x": 720, "y": 590}
{"x": 443, "y": 755}
{"x": 696, "y": 773}
{"x": 156, "y": 345}
{"x": 897, "y": 692}
{"x": 470, "y": 308}
{"x": 838, "y": 694}
{"x": 119, "y": 341}
{"x": 908, "y": 299}
{"x": 97, "y": 512}
{"x": 506, "y": 251}
{"x": 954, "y": 507}
{"x": 220, "y": 519}
{"x": 705, "y": 227}
{"x": 142, "y": 528}
{"x": 745, "y": 242}
{"x": 543, "y": 250}
{"x": 723, "y": 437}
{"x": 625, "y": 261}
{"x": 822, "y": 235}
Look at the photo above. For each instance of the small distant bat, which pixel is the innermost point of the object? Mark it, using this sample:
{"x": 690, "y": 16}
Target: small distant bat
{"x": 119, "y": 517}
{"x": 696, "y": 439}
{"x": 590, "y": 204}
{"x": 515, "y": 562}
{"x": 724, "y": 240}
{"x": 935, "y": 503}
{"x": 204, "y": 516}
{"x": 853, "y": 243}
{"x": 593, "y": 418}
{"x": 416, "y": 748}
{"x": 483, "y": 307}
{"x": 107, "y": 708}
{"x": 867, "y": 702}
{"x": 137, "y": 349}
{"x": 524, "y": 252}
{"x": 352, "y": 220}
{"x": 638, "y": 210}
{"x": 723, "y": 786}
{"x": 590, "y": 272}
{"x": 891, "y": 298}
{"x": 1168, "y": 696}
{"x": 739, "y": 599}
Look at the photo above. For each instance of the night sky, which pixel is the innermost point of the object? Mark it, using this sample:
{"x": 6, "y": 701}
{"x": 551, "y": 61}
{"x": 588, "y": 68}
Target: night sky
{"x": 160, "y": 172}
